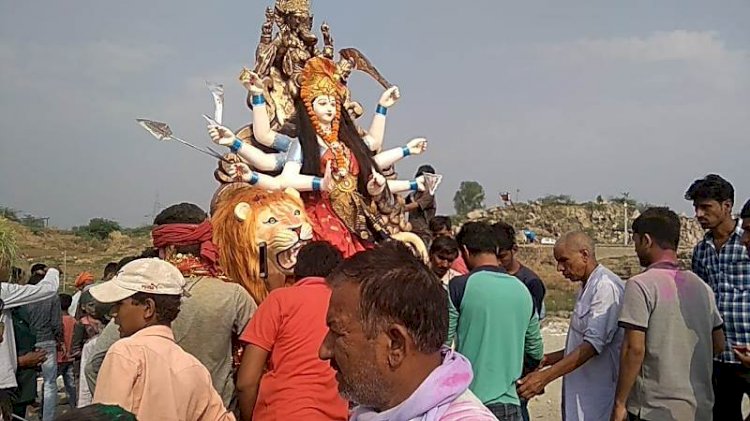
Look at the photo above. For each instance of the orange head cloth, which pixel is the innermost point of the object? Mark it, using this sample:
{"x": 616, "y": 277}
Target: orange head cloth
{"x": 83, "y": 279}
{"x": 188, "y": 235}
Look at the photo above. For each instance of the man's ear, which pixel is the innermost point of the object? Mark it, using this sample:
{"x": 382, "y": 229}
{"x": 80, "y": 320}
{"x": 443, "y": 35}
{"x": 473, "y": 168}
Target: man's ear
{"x": 398, "y": 337}
{"x": 149, "y": 308}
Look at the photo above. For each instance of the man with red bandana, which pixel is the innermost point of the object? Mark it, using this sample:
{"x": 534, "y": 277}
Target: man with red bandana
{"x": 215, "y": 312}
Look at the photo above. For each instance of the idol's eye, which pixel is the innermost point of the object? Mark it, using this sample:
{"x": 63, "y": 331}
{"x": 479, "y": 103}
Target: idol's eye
{"x": 297, "y": 212}
{"x": 271, "y": 220}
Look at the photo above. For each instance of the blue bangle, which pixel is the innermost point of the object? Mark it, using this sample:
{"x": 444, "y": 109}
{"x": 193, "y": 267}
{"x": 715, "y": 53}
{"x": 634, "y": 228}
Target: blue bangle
{"x": 406, "y": 151}
{"x": 254, "y": 178}
{"x": 316, "y": 183}
{"x": 413, "y": 186}
{"x": 258, "y": 100}
{"x": 236, "y": 145}
{"x": 381, "y": 110}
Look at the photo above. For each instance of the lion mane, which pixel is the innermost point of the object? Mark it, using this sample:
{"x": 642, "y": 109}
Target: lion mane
{"x": 237, "y": 240}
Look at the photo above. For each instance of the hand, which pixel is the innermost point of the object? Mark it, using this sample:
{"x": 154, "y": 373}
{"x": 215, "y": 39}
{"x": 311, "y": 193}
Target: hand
{"x": 221, "y": 135}
{"x": 375, "y": 184}
{"x": 239, "y": 172}
{"x": 417, "y": 146}
{"x": 531, "y": 385}
{"x": 251, "y": 81}
{"x": 420, "y": 183}
{"x": 619, "y": 413}
{"x": 32, "y": 359}
{"x": 389, "y": 97}
{"x": 326, "y": 184}
{"x": 742, "y": 355}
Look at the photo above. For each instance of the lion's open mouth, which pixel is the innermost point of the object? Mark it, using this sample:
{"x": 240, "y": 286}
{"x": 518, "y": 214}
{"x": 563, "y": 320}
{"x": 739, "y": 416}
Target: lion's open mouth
{"x": 288, "y": 258}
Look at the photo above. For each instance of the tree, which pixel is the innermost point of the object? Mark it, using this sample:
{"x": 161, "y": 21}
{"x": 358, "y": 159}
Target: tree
{"x": 557, "y": 199}
{"x": 99, "y": 228}
{"x": 470, "y": 196}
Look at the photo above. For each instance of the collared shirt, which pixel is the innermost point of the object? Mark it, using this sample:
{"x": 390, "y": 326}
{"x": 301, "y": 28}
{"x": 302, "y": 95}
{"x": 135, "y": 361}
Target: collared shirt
{"x": 588, "y": 390}
{"x": 214, "y": 312}
{"x": 727, "y": 272}
{"x": 149, "y": 375}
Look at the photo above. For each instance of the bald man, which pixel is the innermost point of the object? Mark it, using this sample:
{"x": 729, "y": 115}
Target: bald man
{"x": 591, "y": 358}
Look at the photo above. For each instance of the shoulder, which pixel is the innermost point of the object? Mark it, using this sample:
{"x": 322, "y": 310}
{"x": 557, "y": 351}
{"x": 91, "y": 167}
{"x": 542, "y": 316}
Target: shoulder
{"x": 467, "y": 407}
{"x": 609, "y": 280}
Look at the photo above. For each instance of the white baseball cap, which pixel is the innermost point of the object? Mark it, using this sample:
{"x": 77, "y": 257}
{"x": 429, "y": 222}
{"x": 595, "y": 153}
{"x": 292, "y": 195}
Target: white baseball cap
{"x": 152, "y": 276}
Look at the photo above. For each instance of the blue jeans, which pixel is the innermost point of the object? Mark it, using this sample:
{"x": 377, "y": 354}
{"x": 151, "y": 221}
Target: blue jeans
{"x": 67, "y": 373}
{"x": 525, "y": 410}
{"x": 49, "y": 374}
{"x": 505, "y": 411}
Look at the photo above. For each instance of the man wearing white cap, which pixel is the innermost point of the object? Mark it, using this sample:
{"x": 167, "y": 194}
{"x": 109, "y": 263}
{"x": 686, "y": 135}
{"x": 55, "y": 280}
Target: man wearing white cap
{"x": 147, "y": 373}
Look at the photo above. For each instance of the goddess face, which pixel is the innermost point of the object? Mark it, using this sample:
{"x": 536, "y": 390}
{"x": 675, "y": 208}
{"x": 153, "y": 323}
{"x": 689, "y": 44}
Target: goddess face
{"x": 324, "y": 108}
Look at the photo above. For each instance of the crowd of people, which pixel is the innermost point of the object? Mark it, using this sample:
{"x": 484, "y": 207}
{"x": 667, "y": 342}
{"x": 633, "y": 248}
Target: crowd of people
{"x": 383, "y": 336}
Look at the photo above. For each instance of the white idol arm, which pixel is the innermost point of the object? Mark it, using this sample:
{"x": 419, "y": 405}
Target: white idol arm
{"x": 374, "y": 137}
{"x": 387, "y": 158}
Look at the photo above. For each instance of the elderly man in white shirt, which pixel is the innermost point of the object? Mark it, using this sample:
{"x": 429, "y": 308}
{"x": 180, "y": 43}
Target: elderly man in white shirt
{"x": 590, "y": 361}
{"x": 14, "y": 295}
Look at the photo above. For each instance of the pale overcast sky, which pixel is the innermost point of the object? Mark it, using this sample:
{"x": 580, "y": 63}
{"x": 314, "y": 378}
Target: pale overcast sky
{"x": 577, "y": 97}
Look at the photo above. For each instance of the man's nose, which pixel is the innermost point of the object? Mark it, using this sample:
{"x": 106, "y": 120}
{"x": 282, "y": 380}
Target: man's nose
{"x": 324, "y": 353}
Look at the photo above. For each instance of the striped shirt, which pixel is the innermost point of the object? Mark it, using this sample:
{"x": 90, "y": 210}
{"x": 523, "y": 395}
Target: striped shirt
{"x": 727, "y": 272}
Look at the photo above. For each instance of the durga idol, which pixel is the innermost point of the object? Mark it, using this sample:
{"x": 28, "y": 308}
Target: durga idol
{"x": 329, "y": 162}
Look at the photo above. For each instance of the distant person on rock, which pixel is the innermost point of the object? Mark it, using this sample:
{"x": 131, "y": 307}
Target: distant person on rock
{"x": 443, "y": 252}
{"x": 672, "y": 331}
{"x": 215, "y": 312}
{"x": 387, "y": 323}
{"x": 722, "y": 261}
{"x": 281, "y": 376}
{"x": 493, "y": 321}
{"x": 146, "y": 372}
{"x": 441, "y": 226}
{"x": 591, "y": 359}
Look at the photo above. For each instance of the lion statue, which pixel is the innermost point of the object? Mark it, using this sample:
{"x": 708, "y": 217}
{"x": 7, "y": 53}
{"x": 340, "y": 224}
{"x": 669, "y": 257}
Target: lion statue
{"x": 244, "y": 217}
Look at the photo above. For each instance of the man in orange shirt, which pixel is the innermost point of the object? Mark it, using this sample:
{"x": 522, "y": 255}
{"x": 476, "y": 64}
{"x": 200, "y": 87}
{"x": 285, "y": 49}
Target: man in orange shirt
{"x": 285, "y": 334}
{"x": 147, "y": 373}
{"x": 64, "y": 360}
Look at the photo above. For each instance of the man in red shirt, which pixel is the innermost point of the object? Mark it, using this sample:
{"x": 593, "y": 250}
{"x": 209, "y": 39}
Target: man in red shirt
{"x": 281, "y": 376}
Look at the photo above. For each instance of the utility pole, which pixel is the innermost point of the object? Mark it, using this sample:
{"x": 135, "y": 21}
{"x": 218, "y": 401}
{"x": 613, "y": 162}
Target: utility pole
{"x": 65, "y": 270}
{"x": 625, "y": 223}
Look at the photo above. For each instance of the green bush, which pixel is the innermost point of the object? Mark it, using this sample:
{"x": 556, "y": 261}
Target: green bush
{"x": 98, "y": 228}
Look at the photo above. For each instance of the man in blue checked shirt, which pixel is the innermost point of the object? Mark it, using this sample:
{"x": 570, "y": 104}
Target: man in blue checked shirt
{"x": 721, "y": 260}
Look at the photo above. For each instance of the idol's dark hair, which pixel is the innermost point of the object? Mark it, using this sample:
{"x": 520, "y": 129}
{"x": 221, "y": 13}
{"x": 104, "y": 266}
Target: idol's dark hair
{"x": 348, "y": 135}
{"x": 396, "y": 287}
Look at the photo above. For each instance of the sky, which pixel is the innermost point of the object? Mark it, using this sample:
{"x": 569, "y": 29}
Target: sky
{"x": 581, "y": 97}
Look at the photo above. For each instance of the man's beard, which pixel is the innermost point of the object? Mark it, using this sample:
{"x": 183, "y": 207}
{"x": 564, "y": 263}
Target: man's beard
{"x": 365, "y": 386}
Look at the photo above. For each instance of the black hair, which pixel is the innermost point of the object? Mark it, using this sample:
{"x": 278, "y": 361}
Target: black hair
{"x": 477, "y": 237}
{"x": 425, "y": 169}
{"x": 348, "y": 135}
{"x": 745, "y": 213}
{"x": 110, "y": 269}
{"x": 183, "y": 213}
{"x": 97, "y": 412}
{"x": 65, "y": 301}
{"x": 712, "y": 187}
{"x": 443, "y": 246}
{"x": 439, "y": 223}
{"x": 127, "y": 259}
{"x": 396, "y": 287}
{"x": 167, "y": 306}
{"x": 37, "y": 267}
{"x": 318, "y": 258}
{"x": 505, "y": 235}
{"x": 34, "y": 277}
{"x": 661, "y": 224}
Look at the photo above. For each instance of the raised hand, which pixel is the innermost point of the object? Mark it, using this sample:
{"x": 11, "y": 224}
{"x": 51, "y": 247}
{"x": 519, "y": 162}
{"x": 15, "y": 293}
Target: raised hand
{"x": 221, "y": 135}
{"x": 239, "y": 171}
{"x": 375, "y": 184}
{"x": 389, "y": 97}
{"x": 417, "y": 146}
{"x": 251, "y": 81}
{"x": 420, "y": 183}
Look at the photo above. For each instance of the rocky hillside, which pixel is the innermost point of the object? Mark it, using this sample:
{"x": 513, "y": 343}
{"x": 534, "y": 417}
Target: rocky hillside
{"x": 603, "y": 221}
